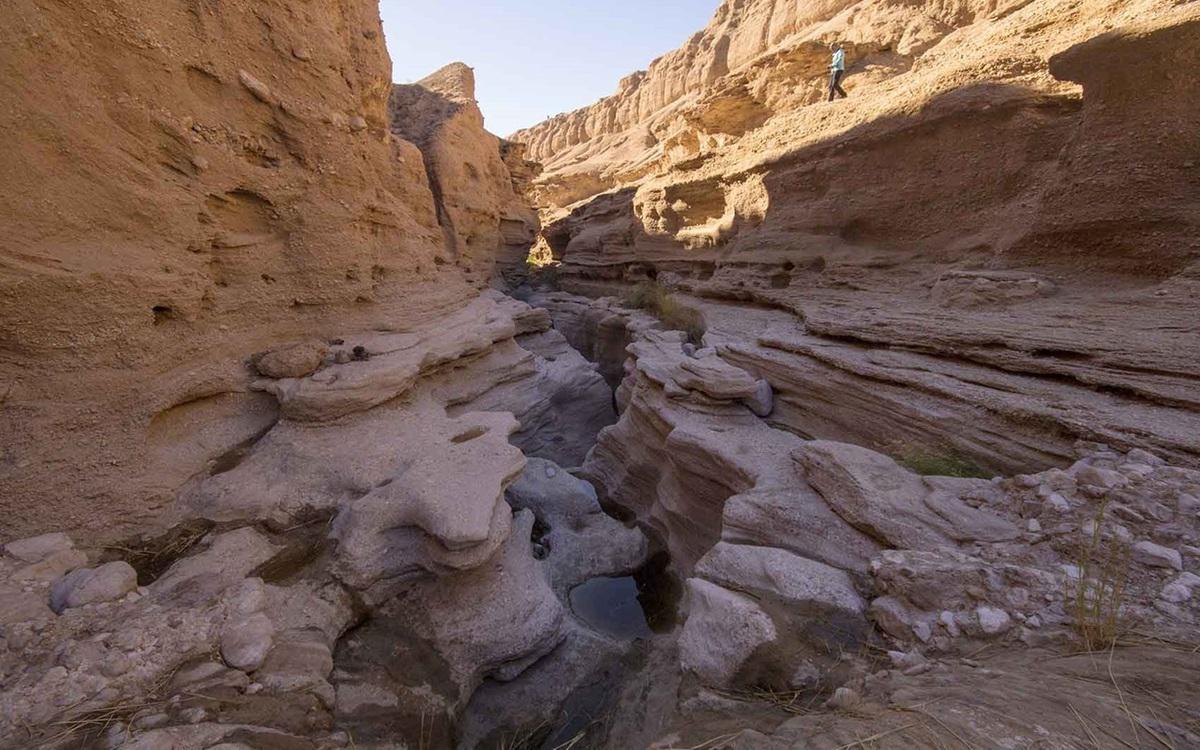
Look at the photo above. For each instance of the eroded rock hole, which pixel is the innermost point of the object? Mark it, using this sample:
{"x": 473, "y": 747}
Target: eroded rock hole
{"x": 162, "y": 314}
{"x": 633, "y": 606}
{"x": 469, "y": 435}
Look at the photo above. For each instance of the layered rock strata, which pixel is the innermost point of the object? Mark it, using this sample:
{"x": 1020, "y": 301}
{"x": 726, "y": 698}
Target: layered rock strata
{"x": 186, "y": 187}
{"x": 797, "y": 548}
{"x": 986, "y": 249}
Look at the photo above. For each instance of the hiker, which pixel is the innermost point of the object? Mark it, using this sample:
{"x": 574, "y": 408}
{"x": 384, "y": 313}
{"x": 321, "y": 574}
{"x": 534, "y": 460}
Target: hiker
{"x": 837, "y": 69}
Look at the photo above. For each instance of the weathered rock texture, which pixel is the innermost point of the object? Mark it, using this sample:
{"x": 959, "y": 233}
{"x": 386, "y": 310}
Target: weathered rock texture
{"x": 467, "y": 171}
{"x": 185, "y": 186}
{"x": 935, "y": 392}
{"x": 378, "y": 498}
{"x": 799, "y": 553}
{"x": 986, "y": 250}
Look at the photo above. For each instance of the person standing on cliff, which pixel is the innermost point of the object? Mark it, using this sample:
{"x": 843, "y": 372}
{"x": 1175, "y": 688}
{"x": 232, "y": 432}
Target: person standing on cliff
{"x": 837, "y": 69}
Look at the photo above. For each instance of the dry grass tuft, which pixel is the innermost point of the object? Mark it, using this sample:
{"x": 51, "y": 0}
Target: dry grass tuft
{"x": 676, "y": 316}
{"x": 1095, "y": 598}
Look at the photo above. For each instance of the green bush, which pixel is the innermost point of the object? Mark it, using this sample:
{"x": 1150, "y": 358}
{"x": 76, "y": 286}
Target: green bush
{"x": 673, "y": 314}
{"x": 938, "y": 462}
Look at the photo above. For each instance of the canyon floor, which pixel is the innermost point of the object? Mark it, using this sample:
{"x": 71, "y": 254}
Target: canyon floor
{"x": 712, "y": 416}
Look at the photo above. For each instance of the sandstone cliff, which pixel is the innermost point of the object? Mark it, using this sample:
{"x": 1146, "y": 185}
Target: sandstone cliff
{"x": 892, "y": 426}
{"x": 181, "y": 187}
{"x": 1007, "y": 199}
{"x": 467, "y": 172}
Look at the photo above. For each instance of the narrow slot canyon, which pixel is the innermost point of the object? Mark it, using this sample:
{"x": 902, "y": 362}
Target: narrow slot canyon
{"x": 711, "y": 416}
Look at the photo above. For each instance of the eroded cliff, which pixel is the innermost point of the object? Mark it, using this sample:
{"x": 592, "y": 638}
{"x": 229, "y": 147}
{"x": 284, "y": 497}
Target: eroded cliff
{"x": 888, "y": 435}
{"x": 1000, "y": 221}
{"x": 185, "y": 186}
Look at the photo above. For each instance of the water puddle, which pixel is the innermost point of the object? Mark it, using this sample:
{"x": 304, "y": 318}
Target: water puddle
{"x": 610, "y": 606}
{"x": 630, "y": 607}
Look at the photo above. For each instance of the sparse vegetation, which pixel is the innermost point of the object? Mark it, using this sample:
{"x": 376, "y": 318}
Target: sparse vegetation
{"x": 676, "y": 316}
{"x": 1095, "y": 596}
{"x": 542, "y": 275}
{"x": 937, "y": 462}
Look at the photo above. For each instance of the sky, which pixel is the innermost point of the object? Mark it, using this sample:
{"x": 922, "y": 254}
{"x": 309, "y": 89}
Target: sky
{"x": 536, "y": 58}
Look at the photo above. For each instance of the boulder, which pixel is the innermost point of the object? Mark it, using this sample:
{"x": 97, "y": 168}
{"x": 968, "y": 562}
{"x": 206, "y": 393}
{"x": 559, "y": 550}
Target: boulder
{"x": 292, "y": 361}
{"x": 105, "y": 583}
{"x": 722, "y": 632}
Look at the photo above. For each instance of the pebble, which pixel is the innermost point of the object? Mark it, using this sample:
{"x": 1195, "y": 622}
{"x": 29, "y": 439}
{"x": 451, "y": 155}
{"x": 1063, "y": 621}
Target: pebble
{"x": 993, "y": 621}
{"x": 151, "y": 721}
{"x": 116, "y": 665}
{"x": 193, "y": 715}
{"x": 1157, "y": 556}
{"x": 256, "y": 87}
{"x": 1058, "y": 503}
{"x": 844, "y": 699}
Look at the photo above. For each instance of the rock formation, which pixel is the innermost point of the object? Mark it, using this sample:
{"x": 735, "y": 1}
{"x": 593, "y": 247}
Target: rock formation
{"x": 468, "y": 170}
{"x": 834, "y": 425}
{"x": 188, "y": 187}
{"x": 974, "y": 251}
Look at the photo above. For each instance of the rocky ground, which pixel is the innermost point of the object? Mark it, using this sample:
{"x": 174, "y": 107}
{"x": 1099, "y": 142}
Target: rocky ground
{"x": 343, "y": 581}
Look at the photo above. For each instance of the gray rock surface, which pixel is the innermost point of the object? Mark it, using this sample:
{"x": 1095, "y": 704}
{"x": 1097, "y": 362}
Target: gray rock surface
{"x": 105, "y": 583}
{"x": 722, "y": 632}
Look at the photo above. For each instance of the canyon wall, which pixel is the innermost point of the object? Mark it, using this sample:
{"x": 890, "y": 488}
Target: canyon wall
{"x": 467, "y": 169}
{"x": 183, "y": 185}
{"x": 987, "y": 250}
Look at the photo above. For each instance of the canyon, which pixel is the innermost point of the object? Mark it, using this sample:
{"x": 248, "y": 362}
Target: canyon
{"x": 711, "y": 415}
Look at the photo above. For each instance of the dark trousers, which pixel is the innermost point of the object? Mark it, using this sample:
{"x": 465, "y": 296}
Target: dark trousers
{"x": 835, "y": 84}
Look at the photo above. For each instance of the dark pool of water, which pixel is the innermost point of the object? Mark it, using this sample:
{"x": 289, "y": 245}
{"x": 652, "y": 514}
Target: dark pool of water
{"x": 629, "y": 607}
{"x": 610, "y": 605}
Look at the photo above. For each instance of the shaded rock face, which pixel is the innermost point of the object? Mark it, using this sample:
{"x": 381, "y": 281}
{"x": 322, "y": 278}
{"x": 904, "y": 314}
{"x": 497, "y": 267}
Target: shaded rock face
{"x": 730, "y": 75}
{"x": 197, "y": 188}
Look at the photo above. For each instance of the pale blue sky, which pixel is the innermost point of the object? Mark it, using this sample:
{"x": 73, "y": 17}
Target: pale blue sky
{"x": 536, "y": 58}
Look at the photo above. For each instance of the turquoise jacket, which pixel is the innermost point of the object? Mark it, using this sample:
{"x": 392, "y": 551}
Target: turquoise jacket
{"x": 839, "y": 60}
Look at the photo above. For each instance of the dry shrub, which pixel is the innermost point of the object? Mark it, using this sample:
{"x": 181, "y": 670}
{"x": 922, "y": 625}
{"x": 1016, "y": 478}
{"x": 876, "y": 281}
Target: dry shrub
{"x": 1095, "y": 598}
{"x": 673, "y": 314}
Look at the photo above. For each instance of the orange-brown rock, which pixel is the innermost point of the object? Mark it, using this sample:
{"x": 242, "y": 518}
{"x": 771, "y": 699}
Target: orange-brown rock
{"x": 969, "y": 203}
{"x": 184, "y": 186}
{"x": 467, "y": 173}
